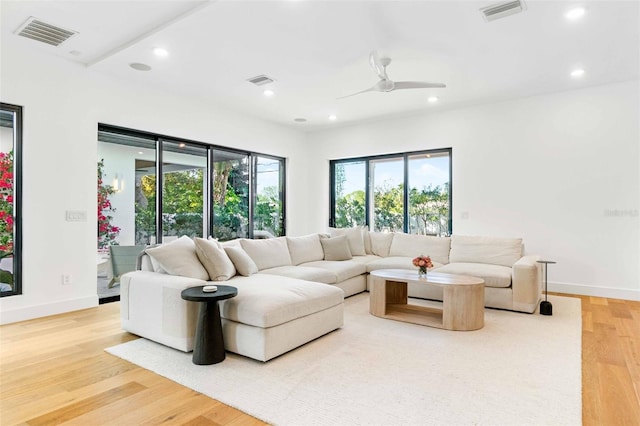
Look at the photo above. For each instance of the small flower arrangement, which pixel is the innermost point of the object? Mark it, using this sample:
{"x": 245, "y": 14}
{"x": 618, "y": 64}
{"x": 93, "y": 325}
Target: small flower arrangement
{"x": 423, "y": 263}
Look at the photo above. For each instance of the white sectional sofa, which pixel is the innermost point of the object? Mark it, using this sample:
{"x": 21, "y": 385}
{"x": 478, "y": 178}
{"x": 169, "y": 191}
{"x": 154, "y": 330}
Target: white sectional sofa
{"x": 291, "y": 289}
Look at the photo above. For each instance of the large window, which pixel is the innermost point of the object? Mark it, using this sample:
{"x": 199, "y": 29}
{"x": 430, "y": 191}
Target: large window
{"x": 408, "y": 192}
{"x": 157, "y": 188}
{"x": 10, "y": 199}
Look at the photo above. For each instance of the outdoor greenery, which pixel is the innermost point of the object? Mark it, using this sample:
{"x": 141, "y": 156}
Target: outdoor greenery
{"x": 428, "y": 209}
{"x": 182, "y": 209}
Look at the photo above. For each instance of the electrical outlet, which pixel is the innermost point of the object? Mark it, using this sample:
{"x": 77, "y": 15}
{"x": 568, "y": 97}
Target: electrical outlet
{"x": 66, "y": 279}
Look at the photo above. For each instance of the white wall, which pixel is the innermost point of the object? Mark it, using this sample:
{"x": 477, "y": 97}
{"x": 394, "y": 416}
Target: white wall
{"x": 550, "y": 169}
{"x": 63, "y": 104}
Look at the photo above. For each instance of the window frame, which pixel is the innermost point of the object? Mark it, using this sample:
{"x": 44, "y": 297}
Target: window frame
{"x": 18, "y": 134}
{"x": 211, "y": 148}
{"x": 405, "y": 156}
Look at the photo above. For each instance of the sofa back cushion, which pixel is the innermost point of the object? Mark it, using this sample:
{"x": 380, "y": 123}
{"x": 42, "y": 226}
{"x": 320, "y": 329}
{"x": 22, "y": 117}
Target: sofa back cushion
{"x": 267, "y": 253}
{"x": 305, "y": 249}
{"x": 380, "y": 243}
{"x": 355, "y": 237}
{"x": 491, "y": 250}
{"x": 411, "y": 245}
{"x": 178, "y": 258}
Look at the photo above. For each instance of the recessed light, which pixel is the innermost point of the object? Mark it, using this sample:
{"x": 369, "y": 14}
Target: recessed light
{"x": 160, "y": 51}
{"x": 140, "y": 152}
{"x": 182, "y": 145}
{"x": 269, "y": 92}
{"x": 575, "y": 13}
{"x": 333, "y": 117}
{"x": 432, "y": 99}
{"x": 300, "y": 120}
{"x": 140, "y": 67}
{"x": 577, "y": 73}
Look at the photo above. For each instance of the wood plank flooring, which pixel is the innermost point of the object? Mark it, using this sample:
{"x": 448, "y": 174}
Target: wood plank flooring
{"x": 54, "y": 371}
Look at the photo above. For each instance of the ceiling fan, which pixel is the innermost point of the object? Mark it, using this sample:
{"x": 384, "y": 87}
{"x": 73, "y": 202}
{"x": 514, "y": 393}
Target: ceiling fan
{"x": 385, "y": 84}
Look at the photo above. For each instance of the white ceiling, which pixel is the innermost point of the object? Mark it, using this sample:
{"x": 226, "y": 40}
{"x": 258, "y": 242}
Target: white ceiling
{"x": 318, "y": 51}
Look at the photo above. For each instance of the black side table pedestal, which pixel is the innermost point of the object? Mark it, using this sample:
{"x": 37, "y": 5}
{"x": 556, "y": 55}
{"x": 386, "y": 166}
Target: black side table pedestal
{"x": 546, "y": 308}
{"x": 208, "y": 346}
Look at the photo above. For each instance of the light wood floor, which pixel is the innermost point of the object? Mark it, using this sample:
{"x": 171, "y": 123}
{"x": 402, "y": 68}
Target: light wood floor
{"x": 54, "y": 371}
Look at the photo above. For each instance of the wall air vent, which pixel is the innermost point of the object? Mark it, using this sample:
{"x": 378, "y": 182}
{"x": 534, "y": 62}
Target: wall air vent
{"x": 260, "y": 80}
{"x": 40, "y": 31}
{"x": 502, "y": 10}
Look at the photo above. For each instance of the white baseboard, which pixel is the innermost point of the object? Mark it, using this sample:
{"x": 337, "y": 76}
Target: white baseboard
{"x": 586, "y": 290}
{"x": 24, "y": 313}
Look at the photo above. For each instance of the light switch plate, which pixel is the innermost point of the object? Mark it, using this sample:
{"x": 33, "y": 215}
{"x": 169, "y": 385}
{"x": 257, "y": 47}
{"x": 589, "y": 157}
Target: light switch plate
{"x": 76, "y": 216}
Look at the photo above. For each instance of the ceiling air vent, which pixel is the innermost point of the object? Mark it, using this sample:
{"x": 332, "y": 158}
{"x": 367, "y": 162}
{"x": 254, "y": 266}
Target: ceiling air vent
{"x": 502, "y": 10}
{"x": 40, "y": 31}
{"x": 260, "y": 80}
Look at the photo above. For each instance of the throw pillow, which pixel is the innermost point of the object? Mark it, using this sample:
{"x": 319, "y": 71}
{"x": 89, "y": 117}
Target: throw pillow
{"x": 241, "y": 260}
{"x": 336, "y": 248}
{"x": 214, "y": 259}
{"x": 354, "y": 235}
{"x": 179, "y": 258}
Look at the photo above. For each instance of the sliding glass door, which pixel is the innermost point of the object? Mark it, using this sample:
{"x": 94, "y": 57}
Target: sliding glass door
{"x": 268, "y": 205}
{"x": 184, "y": 171}
{"x": 230, "y": 194}
{"x": 155, "y": 189}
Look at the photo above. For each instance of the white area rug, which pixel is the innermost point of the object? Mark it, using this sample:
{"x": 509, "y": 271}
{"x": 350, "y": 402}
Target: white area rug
{"x": 519, "y": 369}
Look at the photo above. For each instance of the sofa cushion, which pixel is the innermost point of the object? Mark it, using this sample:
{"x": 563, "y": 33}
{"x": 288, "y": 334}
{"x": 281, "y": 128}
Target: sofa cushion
{"x": 491, "y": 250}
{"x": 214, "y": 259}
{"x": 308, "y": 273}
{"x": 367, "y": 240}
{"x": 305, "y": 249}
{"x": 394, "y": 262}
{"x": 412, "y": 245}
{"x": 265, "y": 300}
{"x": 493, "y": 275}
{"x": 178, "y": 258}
{"x": 380, "y": 243}
{"x": 344, "y": 269}
{"x": 354, "y": 235}
{"x": 267, "y": 253}
{"x": 336, "y": 248}
{"x": 241, "y": 260}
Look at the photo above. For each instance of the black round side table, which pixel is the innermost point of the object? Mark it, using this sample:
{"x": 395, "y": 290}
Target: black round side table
{"x": 208, "y": 346}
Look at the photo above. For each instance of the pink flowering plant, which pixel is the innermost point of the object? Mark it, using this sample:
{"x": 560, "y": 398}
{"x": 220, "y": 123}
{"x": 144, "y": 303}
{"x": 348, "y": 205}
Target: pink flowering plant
{"x": 6, "y": 212}
{"x": 107, "y": 233}
{"x": 6, "y": 202}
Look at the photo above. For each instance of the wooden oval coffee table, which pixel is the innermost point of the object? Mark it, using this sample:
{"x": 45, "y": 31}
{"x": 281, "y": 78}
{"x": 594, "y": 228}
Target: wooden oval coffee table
{"x": 462, "y": 299}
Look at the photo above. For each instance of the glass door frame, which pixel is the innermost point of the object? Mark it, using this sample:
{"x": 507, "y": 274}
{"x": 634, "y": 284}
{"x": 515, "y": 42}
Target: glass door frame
{"x": 18, "y": 118}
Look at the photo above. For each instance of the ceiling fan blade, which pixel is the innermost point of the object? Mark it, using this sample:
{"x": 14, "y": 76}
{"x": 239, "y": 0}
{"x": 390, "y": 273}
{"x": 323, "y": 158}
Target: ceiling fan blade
{"x": 370, "y": 89}
{"x": 416, "y": 85}
{"x": 376, "y": 64}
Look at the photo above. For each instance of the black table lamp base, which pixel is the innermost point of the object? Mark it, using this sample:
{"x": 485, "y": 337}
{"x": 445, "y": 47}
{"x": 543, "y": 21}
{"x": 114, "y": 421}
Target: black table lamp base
{"x": 546, "y": 308}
